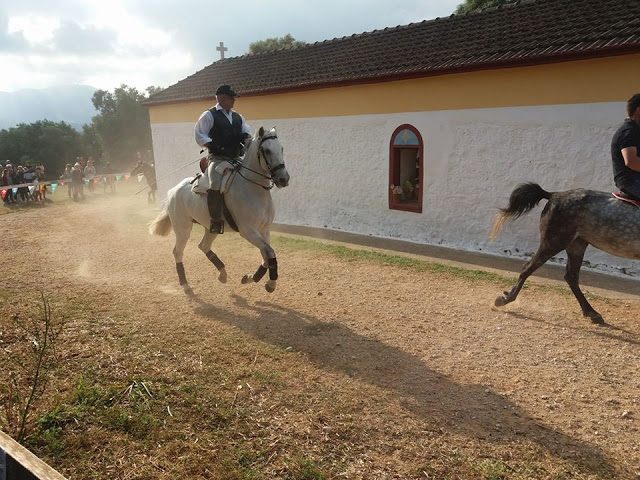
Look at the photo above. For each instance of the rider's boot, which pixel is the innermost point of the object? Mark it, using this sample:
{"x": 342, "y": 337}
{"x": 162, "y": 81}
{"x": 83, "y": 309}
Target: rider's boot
{"x": 214, "y": 202}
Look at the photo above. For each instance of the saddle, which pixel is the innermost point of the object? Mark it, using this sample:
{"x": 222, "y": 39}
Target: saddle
{"x": 627, "y": 198}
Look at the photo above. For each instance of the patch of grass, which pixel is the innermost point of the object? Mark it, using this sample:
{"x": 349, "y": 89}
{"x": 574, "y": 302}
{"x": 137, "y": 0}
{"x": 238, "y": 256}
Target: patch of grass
{"x": 492, "y": 469}
{"x": 269, "y": 378}
{"x": 308, "y": 470}
{"x": 354, "y": 255}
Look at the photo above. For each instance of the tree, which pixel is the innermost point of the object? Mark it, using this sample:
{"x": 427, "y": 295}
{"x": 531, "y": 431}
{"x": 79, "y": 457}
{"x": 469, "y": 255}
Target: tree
{"x": 274, "y": 44}
{"x": 53, "y": 144}
{"x": 475, "y": 5}
{"x": 122, "y": 127}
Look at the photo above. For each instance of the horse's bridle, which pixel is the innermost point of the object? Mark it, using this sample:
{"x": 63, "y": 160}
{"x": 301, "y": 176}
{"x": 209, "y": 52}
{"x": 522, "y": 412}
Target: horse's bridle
{"x": 271, "y": 169}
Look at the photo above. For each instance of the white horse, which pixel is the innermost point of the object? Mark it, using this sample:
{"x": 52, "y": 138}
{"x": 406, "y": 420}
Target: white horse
{"x": 248, "y": 199}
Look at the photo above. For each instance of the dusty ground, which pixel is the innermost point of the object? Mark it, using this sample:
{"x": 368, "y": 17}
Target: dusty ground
{"x": 351, "y": 369}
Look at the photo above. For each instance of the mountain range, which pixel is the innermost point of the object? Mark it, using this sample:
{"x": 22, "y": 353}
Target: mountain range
{"x": 69, "y": 103}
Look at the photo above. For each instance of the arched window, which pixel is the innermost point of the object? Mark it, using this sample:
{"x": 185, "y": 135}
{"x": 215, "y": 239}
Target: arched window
{"x": 405, "y": 169}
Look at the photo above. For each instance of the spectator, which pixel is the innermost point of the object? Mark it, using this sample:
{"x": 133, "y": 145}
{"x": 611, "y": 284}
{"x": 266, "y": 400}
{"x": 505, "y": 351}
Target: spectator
{"x": 37, "y": 192}
{"x": 23, "y": 191}
{"x": 5, "y": 182}
{"x": 41, "y": 178}
{"x": 77, "y": 182}
{"x": 110, "y": 178}
{"x": 90, "y": 172}
{"x": 66, "y": 177}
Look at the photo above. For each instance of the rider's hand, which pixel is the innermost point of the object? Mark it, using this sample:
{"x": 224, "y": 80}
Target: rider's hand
{"x": 216, "y": 150}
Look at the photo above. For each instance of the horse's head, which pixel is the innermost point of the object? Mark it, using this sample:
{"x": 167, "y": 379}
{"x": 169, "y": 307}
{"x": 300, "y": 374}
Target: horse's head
{"x": 270, "y": 156}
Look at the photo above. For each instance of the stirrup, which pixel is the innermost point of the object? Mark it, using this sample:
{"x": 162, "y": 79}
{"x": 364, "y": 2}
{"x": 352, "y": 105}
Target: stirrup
{"x": 217, "y": 226}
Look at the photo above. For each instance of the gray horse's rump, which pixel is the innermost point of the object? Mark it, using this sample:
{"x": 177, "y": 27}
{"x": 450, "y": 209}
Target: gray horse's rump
{"x": 599, "y": 218}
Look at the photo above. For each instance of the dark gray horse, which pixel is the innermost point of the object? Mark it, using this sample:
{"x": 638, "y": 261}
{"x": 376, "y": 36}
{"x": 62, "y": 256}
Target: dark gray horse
{"x": 571, "y": 221}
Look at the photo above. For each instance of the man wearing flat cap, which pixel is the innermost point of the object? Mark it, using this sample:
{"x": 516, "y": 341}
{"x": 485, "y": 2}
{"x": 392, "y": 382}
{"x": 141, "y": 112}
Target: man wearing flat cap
{"x": 224, "y": 132}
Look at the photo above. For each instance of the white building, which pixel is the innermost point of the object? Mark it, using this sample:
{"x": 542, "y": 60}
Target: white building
{"x": 466, "y": 107}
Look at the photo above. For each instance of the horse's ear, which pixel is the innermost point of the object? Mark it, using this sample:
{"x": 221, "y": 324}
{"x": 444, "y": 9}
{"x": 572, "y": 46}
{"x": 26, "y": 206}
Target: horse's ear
{"x": 273, "y": 129}
{"x": 261, "y": 132}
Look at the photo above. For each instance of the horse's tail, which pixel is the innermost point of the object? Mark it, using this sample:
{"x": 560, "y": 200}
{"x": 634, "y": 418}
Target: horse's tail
{"x": 523, "y": 198}
{"x": 162, "y": 224}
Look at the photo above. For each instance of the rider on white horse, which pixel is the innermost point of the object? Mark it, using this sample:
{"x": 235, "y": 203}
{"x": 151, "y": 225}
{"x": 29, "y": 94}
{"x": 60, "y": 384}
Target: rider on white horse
{"x": 224, "y": 132}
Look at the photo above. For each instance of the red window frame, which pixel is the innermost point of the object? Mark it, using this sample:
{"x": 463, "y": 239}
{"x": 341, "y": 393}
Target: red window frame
{"x": 394, "y": 170}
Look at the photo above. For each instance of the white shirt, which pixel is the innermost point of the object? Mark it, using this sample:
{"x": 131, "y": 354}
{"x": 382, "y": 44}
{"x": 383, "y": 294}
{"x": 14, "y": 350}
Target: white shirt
{"x": 205, "y": 124}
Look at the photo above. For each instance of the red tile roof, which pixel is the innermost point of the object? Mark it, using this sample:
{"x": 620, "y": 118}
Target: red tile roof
{"x": 523, "y": 33}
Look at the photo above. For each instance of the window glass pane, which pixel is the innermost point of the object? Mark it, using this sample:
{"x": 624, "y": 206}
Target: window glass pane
{"x": 405, "y": 137}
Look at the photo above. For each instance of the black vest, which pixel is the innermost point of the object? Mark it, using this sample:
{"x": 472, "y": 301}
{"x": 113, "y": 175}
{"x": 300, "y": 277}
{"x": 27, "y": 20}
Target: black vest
{"x": 226, "y": 135}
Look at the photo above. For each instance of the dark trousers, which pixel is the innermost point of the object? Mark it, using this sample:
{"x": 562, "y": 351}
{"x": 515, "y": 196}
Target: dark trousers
{"x": 630, "y": 187}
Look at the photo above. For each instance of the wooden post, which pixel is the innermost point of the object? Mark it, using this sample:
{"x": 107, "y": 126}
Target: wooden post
{"x": 18, "y": 463}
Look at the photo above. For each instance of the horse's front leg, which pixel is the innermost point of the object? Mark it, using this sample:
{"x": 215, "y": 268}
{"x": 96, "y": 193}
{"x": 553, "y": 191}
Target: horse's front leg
{"x": 182, "y": 236}
{"x": 269, "y": 259}
{"x": 205, "y": 246}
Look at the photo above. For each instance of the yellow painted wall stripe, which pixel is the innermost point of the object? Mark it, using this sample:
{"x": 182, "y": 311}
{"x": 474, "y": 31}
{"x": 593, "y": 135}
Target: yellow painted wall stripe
{"x": 609, "y": 79}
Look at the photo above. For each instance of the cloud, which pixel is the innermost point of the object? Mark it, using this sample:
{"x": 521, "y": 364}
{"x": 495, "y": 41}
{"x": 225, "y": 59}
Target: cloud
{"x": 74, "y": 39}
{"x": 10, "y": 42}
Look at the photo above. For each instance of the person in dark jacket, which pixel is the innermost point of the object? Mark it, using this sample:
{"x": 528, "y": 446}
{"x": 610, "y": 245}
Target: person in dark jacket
{"x": 625, "y": 151}
{"x": 224, "y": 132}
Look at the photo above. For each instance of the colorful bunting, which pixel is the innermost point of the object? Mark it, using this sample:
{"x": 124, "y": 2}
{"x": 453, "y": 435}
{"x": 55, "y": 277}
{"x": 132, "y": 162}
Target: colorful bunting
{"x": 54, "y": 186}
{"x": 4, "y": 194}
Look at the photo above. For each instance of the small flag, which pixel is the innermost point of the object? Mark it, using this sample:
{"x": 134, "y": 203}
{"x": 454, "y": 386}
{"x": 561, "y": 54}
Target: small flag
{"x": 31, "y": 189}
{"x": 119, "y": 177}
{"x": 140, "y": 177}
{"x": 4, "y": 194}
{"x": 14, "y": 190}
{"x": 53, "y": 187}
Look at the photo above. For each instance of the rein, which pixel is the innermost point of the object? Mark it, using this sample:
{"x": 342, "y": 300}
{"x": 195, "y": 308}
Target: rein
{"x": 239, "y": 165}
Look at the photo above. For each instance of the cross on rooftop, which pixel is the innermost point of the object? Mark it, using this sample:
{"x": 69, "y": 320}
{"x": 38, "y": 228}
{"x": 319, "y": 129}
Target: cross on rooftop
{"x": 221, "y": 48}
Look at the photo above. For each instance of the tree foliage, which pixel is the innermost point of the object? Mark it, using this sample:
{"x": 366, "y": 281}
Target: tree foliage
{"x": 122, "y": 127}
{"x": 53, "y": 144}
{"x": 475, "y": 5}
{"x": 274, "y": 44}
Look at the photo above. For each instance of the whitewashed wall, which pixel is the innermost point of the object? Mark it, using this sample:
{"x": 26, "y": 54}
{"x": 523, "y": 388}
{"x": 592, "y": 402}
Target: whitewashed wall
{"x": 473, "y": 159}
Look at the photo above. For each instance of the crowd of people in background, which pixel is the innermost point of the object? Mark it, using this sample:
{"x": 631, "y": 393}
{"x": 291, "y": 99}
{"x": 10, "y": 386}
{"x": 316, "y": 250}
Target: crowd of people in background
{"x": 19, "y": 174}
{"x": 82, "y": 173}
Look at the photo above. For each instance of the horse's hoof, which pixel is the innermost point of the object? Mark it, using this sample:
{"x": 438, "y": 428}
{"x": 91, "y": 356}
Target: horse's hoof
{"x": 245, "y": 280}
{"x": 187, "y": 289}
{"x": 596, "y": 319}
{"x": 269, "y": 287}
{"x": 500, "y": 301}
{"x": 222, "y": 276}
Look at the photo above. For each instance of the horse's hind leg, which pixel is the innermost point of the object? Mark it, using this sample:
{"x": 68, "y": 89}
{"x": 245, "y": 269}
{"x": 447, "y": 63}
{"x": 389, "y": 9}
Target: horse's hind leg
{"x": 543, "y": 254}
{"x": 205, "y": 246}
{"x": 575, "y": 254}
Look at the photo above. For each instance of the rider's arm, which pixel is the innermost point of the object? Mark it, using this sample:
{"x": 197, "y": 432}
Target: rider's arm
{"x": 203, "y": 127}
{"x": 246, "y": 130}
{"x": 631, "y": 159}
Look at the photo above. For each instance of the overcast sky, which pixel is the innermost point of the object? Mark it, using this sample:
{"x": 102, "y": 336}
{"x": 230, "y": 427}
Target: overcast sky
{"x": 140, "y": 43}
